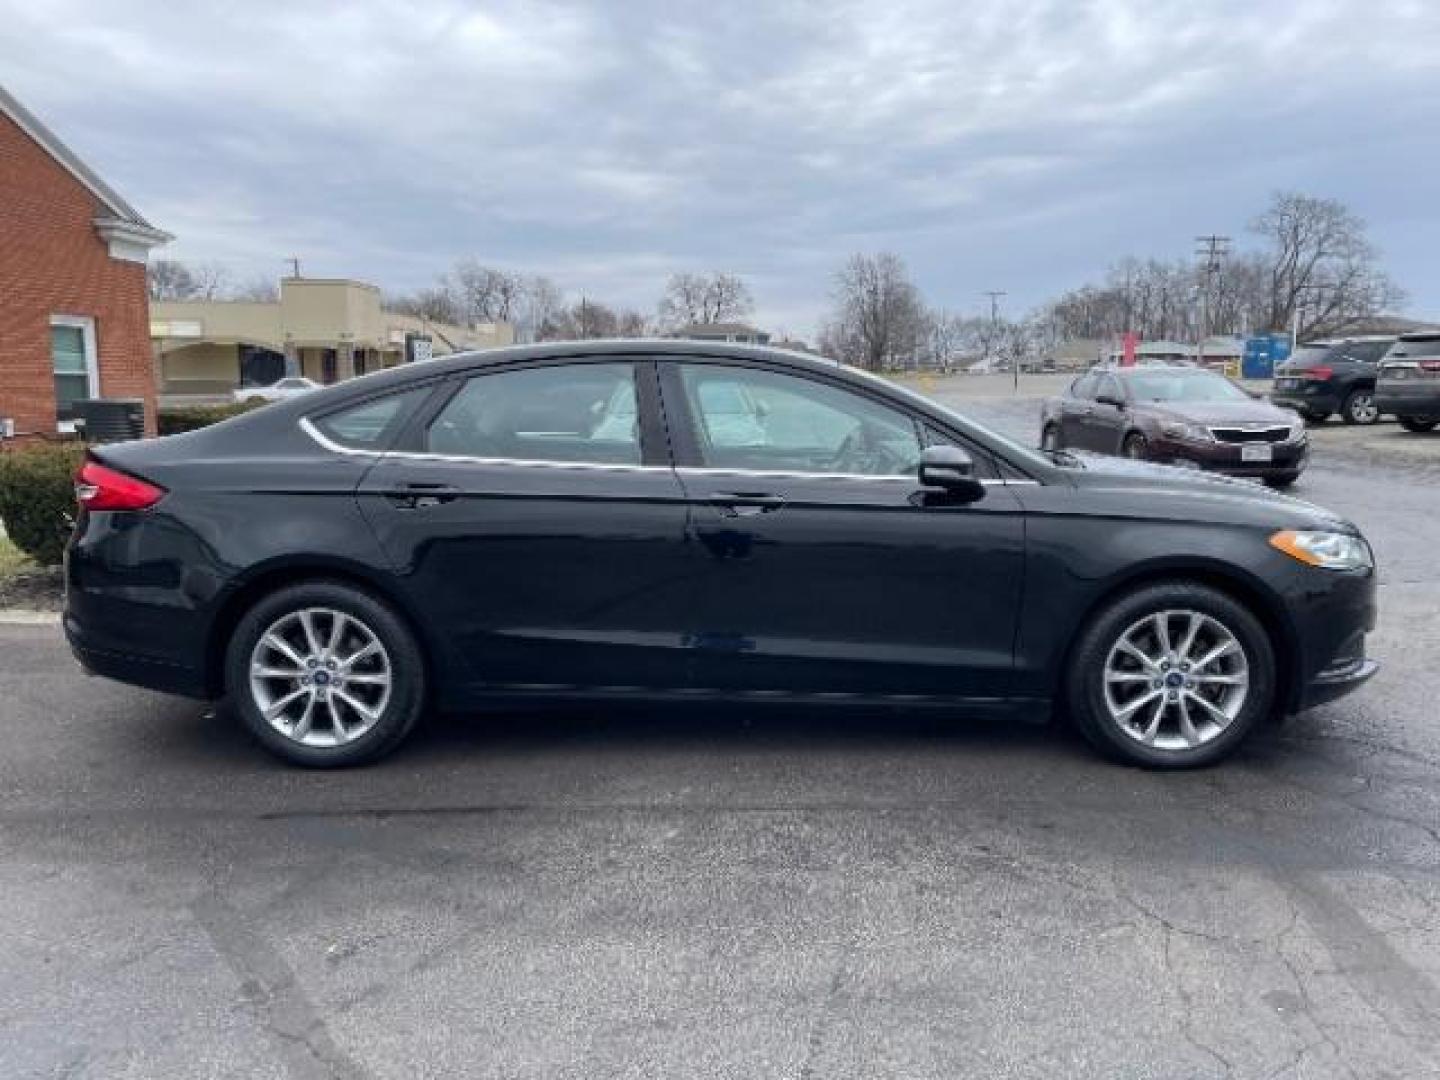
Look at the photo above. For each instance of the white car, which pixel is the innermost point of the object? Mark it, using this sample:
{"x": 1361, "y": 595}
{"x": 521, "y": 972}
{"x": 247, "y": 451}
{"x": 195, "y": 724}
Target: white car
{"x": 285, "y": 388}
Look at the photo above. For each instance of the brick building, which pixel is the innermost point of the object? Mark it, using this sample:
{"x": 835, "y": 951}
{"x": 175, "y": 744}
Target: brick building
{"x": 74, "y": 314}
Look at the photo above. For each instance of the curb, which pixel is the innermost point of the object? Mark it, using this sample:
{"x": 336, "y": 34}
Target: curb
{"x": 25, "y": 617}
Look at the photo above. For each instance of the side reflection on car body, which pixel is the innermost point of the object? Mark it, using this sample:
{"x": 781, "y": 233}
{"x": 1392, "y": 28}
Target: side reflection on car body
{"x": 689, "y": 521}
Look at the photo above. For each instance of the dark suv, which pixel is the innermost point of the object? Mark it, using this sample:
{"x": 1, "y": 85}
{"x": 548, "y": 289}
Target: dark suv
{"x": 1325, "y": 377}
{"x": 1409, "y": 384}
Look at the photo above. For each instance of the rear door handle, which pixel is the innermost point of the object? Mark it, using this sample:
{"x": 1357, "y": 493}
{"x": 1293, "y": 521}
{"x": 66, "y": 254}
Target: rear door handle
{"x": 746, "y": 503}
{"x": 418, "y": 496}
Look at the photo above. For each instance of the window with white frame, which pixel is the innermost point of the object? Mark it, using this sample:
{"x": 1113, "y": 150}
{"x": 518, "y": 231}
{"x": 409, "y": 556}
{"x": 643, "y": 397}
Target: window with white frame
{"x": 72, "y": 353}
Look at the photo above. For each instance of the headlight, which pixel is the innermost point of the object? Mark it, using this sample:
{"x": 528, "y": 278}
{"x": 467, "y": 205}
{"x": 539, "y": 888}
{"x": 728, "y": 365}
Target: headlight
{"x": 1327, "y": 550}
{"x": 1174, "y": 429}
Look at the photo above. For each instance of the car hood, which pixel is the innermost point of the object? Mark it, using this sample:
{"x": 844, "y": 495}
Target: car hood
{"x": 1172, "y": 491}
{"x": 1220, "y": 412}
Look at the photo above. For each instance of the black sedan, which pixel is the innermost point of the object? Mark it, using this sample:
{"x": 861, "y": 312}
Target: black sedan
{"x": 687, "y": 521}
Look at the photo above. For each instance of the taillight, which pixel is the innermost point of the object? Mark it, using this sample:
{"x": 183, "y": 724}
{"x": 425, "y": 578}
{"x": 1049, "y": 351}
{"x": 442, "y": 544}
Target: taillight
{"x": 101, "y": 488}
{"x": 1319, "y": 374}
{"x": 1430, "y": 365}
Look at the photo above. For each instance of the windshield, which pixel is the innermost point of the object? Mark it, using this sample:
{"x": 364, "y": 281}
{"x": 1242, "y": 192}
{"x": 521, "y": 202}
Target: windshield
{"x": 1183, "y": 386}
{"x": 1309, "y": 355}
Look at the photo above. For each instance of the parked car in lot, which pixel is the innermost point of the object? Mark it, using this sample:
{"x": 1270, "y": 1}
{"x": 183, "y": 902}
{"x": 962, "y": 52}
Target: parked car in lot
{"x": 1409, "y": 382}
{"x": 289, "y": 387}
{"x": 1326, "y": 377}
{"x": 1179, "y": 415}
{"x": 482, "y": 531}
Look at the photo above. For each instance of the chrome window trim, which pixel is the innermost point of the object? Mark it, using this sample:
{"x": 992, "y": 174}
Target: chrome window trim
{"x": 307, "y": 426}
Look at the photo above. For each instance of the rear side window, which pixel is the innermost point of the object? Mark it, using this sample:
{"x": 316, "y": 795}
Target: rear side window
{"x": 371, "y": 425}
{"x": 1084, "y": 387}
{"x": 1414, "y": 348}
{"x": 1364, "y": 352}
{"x": 570, "y": 413}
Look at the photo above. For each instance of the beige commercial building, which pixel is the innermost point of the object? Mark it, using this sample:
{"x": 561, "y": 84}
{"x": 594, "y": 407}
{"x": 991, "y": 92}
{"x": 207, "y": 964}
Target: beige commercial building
{"x": 325, "y": 329}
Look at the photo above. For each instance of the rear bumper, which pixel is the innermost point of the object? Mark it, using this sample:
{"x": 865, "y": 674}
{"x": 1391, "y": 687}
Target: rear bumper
{"x": 146, "y": 671}
{"x": 1408, "y": 399}
{"x": 1317, "y": 398}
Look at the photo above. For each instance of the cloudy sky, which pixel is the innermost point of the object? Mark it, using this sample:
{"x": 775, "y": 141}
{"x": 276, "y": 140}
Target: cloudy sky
{"x": 993, "y": 145}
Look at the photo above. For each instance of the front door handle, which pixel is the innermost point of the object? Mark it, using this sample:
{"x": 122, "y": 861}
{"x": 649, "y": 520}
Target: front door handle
{"x": 746, "y": 503}
{"x": 417, "y": 496}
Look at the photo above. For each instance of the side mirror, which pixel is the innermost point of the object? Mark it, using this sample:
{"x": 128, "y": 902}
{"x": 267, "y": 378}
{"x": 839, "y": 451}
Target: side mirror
{"x": 1110, "y": 399}
{"x": 950, "y": 469}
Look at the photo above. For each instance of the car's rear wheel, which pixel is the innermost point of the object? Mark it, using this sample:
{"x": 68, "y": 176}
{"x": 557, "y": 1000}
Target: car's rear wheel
{"x": 325, "y": 675}
{"x": 1314, "y": 416}
{"x": 1419, "y": 424}
{"x": 1359, "y": 407}
{"x": 1136, "y": 446}
{"x": 1050, "y": 438}
{"x": 1173, "y": 675}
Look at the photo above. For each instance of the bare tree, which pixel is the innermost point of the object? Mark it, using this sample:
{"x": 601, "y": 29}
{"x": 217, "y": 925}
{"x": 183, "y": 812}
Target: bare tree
{"x": 945, "y": 339}
{"x": 704, "y": 298}
{"x": 486, "y": 294}
{"x": 878, "y": 318}
{"x": 258, "y": 289}
{"x": 437, "y": 303}
{"x": 543, "y": 307}
{"x": 1318, "y": 251}
{"x": 168, "y": 279}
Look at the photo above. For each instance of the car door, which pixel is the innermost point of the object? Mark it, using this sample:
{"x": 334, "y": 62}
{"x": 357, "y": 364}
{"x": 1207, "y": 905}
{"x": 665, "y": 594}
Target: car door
{"x": 533, "y": 513}
{"x": 822, "y": 567}
{"x": 1105, "y": 422}
{"x": 1075, "y": 409}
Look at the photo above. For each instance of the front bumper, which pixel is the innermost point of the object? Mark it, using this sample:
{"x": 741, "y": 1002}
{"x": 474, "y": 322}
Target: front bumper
{"x": 1409, "y": 398}
{"x": 1287, "y": 459}
{"x": 1332, "y": 613}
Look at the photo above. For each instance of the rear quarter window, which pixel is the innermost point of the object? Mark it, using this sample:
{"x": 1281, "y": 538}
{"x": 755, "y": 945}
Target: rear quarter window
{"x": 373, "y": 424}
{"x": 1414, "y": 349}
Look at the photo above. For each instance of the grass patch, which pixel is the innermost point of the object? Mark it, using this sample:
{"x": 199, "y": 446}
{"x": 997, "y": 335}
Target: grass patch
{"x": 12, "y": 559}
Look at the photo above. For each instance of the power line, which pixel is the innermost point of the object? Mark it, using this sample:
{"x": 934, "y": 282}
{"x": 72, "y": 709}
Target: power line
{"x": 1213, "y": 250}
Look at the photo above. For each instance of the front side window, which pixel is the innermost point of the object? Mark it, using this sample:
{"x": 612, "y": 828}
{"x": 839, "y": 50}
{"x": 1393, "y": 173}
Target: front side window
{"x": 1084, "y": 387}
{"x": 72, "y": 352}
{"x": 580, "y": 413}
{"x": 760, "y": 420}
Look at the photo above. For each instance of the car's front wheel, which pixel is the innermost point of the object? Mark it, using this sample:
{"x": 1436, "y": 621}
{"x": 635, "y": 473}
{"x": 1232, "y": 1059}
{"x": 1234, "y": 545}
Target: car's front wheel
{"x": 1419, "y": 424}
{"x": 325, "y": 675}
{"x": 1136, "y": 446}
{"x": 1172, "y": 675}
{"x": 1050, "y": 438}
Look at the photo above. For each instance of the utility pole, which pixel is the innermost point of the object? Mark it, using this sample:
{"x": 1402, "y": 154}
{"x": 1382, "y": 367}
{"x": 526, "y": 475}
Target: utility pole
{"x": 1213, "y": 249}
{"x": 294, "y": 262}
{"x": 995, "y": 295}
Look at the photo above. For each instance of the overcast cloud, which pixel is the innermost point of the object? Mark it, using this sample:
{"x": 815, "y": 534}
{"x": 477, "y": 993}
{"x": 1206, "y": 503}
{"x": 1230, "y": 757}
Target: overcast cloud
{"x": 1017, "y": 146}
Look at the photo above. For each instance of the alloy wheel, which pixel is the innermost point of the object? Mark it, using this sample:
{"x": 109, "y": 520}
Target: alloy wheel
{"x": 1363, "y": 410}
{"x": 320, "y": 677}
{"x": 1175, "y": 680}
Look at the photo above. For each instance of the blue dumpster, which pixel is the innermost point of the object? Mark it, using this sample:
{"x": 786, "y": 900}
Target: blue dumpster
{"x": 1263, "y": 354}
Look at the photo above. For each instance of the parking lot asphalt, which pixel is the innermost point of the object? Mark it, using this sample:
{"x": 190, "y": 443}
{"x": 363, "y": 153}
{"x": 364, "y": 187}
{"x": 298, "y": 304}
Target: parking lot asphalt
{"x": 734, "y": 893}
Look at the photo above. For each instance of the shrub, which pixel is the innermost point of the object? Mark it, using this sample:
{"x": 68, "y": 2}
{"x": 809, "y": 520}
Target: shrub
{"x": 178, "y": 418}
{"x": 37, "y": 497}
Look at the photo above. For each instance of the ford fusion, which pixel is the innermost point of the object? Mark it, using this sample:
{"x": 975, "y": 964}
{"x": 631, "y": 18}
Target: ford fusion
{"x": 686, "y": 521}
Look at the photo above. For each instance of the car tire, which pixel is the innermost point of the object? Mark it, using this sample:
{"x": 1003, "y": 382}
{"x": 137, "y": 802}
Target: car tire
{"x": 1283, "y": 480}
{"x": 1136, "y": 447}
{"x": 1313, "y": 417}
{"x": 1050, "y": 438}
{"x": 368, "y": 704}
{"x": 1104, "y": 682}
{"x": 1419, "y": 424}
{"x": 1358, "y": 408}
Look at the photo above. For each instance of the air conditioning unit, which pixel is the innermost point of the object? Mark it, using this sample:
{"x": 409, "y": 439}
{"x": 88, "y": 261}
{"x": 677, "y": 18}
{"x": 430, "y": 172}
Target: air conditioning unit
{"x": 107, "y": 420}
